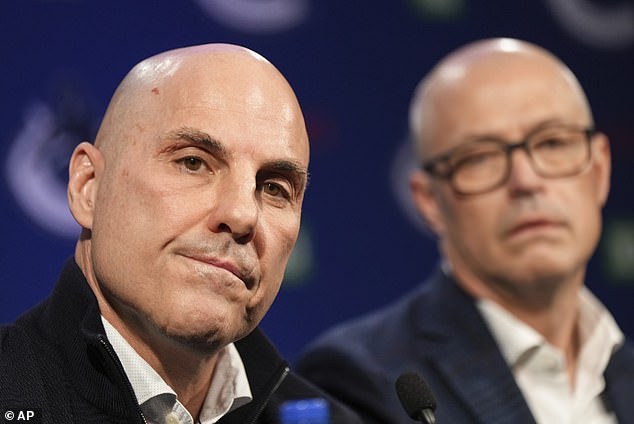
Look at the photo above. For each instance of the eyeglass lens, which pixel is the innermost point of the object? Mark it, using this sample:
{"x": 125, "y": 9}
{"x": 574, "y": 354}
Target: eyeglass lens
{"x": 486, "y": 164}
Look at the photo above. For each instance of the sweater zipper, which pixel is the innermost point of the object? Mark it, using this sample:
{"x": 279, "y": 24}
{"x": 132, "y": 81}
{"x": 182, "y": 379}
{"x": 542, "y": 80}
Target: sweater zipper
{"x": 114, "y": 358}
{"x": 263, "y": 404}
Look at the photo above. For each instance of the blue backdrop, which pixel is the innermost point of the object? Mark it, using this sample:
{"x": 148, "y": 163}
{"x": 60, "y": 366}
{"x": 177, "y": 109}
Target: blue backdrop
{"x": 353, "y": 65}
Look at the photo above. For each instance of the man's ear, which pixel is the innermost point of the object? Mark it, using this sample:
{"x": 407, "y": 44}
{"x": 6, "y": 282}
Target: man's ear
{"x": 85, "y": 168}
{"x": 602, "y": 162}
{"x": 426, "y": 202}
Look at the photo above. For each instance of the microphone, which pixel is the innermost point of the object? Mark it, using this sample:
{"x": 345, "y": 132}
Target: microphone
{"x": 416, "y": 398}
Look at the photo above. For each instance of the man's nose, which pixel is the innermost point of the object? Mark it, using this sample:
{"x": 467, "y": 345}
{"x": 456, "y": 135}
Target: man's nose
{"x": 236, "y": 209}
{"x": 522, "y": 176}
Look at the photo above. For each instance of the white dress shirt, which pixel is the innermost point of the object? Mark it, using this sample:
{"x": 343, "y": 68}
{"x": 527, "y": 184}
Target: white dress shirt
{"x": 540, "y": 368}
{"x": 229, "y": 388}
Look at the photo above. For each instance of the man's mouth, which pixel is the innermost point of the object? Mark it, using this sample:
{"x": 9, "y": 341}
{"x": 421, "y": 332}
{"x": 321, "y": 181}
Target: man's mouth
{"x": 224, "y": 264}
{"x": 539, "y": 224}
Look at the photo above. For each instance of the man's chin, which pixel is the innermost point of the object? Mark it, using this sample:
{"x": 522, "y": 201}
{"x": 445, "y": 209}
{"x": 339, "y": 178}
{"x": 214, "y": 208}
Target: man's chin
{"x": 204, "y": 342}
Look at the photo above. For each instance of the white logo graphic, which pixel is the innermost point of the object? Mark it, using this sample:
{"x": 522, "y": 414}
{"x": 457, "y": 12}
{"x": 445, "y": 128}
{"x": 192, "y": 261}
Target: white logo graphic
{"x": 32, "y": 172}
{"x": 257, "y": 16}
{"x": 605, "y": 27}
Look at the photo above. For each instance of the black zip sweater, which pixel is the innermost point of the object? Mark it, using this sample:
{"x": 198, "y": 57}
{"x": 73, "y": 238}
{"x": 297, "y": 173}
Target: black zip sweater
{"x": 56, "y": 359}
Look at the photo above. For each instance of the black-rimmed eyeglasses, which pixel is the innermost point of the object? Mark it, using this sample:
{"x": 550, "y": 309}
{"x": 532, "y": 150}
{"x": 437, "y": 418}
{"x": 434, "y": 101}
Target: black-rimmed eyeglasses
{"x": 485, "y": 164}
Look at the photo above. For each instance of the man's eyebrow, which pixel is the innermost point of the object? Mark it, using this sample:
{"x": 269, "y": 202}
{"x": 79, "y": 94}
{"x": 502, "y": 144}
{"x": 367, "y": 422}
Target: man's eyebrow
{"x": 294, "y": 171}
{"x": 199, "y": 138}
{"x": 535, "y": 128}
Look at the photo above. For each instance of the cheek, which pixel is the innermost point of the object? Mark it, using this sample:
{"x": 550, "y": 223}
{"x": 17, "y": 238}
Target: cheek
{"x": 145, "y": 203}
{"x": 472, "y": 222}
{"x": 275, "y": 241}
{"x": 279, "y": 230}
{"x": 134, "y": 219}
{"x": 477, "y": 231}
{"x": 583, "y": 208}
{"x": 276, "y": 256}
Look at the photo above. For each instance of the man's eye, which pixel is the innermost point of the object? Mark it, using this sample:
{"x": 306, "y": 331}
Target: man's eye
{"x": 552, "y": 143}
{"x": 477, "y": 159}
{"x": 192, "y": 163}
{"x": 274, "y": 190}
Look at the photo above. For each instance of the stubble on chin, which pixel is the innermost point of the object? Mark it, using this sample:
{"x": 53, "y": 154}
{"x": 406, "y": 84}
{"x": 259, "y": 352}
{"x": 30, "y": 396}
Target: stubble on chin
{"x": 206, "y": 343}
{"x": 206, "y": 338}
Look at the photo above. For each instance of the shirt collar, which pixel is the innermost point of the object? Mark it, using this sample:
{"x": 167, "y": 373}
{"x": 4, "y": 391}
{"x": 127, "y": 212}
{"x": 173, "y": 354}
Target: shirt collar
{"x": 229, "y": 389}
{"x": 146, "y": 382}
{"x": 598, "y": 331}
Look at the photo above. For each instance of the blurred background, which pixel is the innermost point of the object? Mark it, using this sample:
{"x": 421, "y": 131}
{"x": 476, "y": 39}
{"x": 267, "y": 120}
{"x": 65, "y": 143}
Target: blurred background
{"x": 353, "y": 65}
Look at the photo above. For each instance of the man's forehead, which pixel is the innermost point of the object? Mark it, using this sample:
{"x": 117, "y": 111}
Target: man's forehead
{"x": 505, "y": 102}
{"x": 228, "y": 89}
{"x": 224, "y": 91}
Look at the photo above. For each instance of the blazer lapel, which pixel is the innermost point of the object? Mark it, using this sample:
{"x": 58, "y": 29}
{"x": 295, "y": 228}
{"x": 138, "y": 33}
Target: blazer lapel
{"x": 483, "y": 381}
{"x": 468, "y": 359}
{"x": 619, "y": 380}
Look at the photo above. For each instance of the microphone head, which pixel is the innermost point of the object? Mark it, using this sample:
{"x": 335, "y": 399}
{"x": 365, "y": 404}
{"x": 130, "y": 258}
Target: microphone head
{"x": 414, "y": 394}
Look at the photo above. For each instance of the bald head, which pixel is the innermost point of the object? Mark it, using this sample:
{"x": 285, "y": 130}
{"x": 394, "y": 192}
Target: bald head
{"x": 494, "y": 82}
{"x": 163, "y": 82}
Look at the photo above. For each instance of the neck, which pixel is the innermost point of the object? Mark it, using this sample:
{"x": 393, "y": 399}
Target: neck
{"x": 552, "y": 311}
{"x": 187, "y": 371}
{"x": 189, "y": 377}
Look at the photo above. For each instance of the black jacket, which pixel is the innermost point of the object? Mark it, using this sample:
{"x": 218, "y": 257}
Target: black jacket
{"x": 56, "y": 360}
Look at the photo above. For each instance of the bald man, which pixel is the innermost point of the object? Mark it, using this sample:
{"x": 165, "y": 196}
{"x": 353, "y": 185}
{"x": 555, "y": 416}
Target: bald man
{"x": 189, "y": 203}
{"x": 512, "y": 181}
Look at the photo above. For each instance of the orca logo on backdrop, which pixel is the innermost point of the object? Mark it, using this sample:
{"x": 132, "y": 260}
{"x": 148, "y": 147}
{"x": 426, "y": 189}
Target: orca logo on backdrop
{"x": 37, "y": 162}
{"x": 257, "y": 16}
{"x": 605, "y": 26}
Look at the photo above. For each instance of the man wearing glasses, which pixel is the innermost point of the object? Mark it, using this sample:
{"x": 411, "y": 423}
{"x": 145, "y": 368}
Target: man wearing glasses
{"x": 512, "y": 181}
